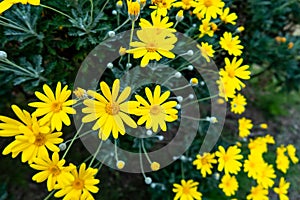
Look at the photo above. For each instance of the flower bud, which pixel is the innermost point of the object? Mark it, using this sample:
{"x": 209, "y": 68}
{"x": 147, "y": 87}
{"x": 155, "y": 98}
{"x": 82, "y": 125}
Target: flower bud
{"x": 155, "y": 166}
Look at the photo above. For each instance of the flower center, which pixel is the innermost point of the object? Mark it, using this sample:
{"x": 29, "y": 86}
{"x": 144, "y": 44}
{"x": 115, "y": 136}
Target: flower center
{"x": 231, "y": 73}
{"x": 54, "y": 170}
{"x": 78, "y": 184}
{"x": 56, "y": 106}
{"x": 40, "y": 140}
{"x": 112, "y": 108}
{"x": 204, "y": 161}
{"x": 151, "y": 47}
{"x": 155, "y": 110}
{"x": 185, "y": 190}
{"x": 208, "y": 3}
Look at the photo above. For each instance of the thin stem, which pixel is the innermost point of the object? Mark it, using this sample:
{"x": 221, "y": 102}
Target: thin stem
{"x": 180, "y": 88}
{"x": 141, "y": 161}
{"x": 193, "y": 118}
{"x": 102, "y": 163}
{"x": 17, "y": 66}
{"x": 175, "y": 24}
{"x": 182, "y": 171}
{"x": 104, "y": 6}
{"x": 144, "y": 149}
{"x": 131, "y": 36}
{"x": 49, "y": 195}
{"x": 74, "y": 138}
{"x": 81, "y": 135}
{"x": 50, "y": 8}
{"x": 92, "y": 11}
{"x": 96, "y": 153}
{"x": 199, "y": 100}
{"x": 125, "y": 22}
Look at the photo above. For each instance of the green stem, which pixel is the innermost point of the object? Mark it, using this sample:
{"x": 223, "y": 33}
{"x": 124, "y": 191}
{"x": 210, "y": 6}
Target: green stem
{"x": 144, "y": 149}
{"x": 125, "y": 22}
{"x": 141, "y": 161}
{"x": 49, "y": 195}
{"x": 96, "y": 153}
{"x": 74, "y": 138}
{"x": 182, "y": 171}
{"x": 131, "y": 36}
{"x": 180, "y": 88}
{"x": 92, "y": 11}
{"x": 116, "y": 153}
{"x": 104, "y": 6}
{"x": 55, "y": 10}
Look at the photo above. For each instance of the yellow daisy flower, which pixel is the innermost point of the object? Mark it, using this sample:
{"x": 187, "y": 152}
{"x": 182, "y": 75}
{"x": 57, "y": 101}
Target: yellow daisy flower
{"x": 258, "y": 193}
{"x": 10, "y": 127}
{"x": 80, "y": 187}
{"x": 184, "y": 4}
{"x": 51, "y": 170}
{"x": 162, "y": 6}
{"x": 110, "y": 110}
{"x": 6, "y": 4}
{"x": 34, "y": 142}
{"x": 158, "y": 22}
{"x": 226, "y": 88}
{"x": 282, "y": 161}
{"x": 209, "y": 8}
{"x": 187, "y": 190}
{"x": 228, "y": 160}
{"x": 245, "y": 125}
{"x": 228, "y": 18}
{"x": 238, "y": 104}
{"x": 206, "y": 50}
{"x": 253, "y": 164}
{"x": 157, "y": 112}
{"x": 230, "y": 44}
{"x": 282, "y": 189}
{"x": 258, "y": 145}
{"x": 206, "y": 28}
{"x": 292, "y": 153}
{"x": 153, "y": 45}
{"x": 229, "y": 185}
{"x": 204, "y": 163}
{"x": 54, "y": 107}
{"x": 265, "y": 175}
{"x": 234, "y": 72}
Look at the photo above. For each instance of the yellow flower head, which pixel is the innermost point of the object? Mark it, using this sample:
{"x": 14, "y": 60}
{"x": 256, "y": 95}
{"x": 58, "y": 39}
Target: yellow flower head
{"x": 153, "y": 45}
{"x": 258, "y": 145}
{"x": 231, "y": 44}
{"x": 240, "y": 29}
{"x": 229, "y": 185}
{"x": 234, "y": 72}
{"x": 228, "y": 18}
{"x": 228, "y": 160}
{"x": 134, "y": 9}
{"x": 119, "y": 4}
{"x": 110, "y": 110}
{"x": 206, "y": 50}
{"x": 51, "y": 170}
{"x": 258, "y": 193}
{"x": 80, "y": 93}
{"x": 292, "y": 153}
{"x": 206, "y": 28}
{"x": 179, "y": 16}
{"x": 162, "y": 6}
{"x": 155, "y": 166}
{"x": 282, "y": 161}
{"x": 204, "y": 163}
{"x": 34, "y": 142}
{"x": 187, "y": 190}
{"x": 253, "y": 164}
{"x": 209, "y": 8}
{"x": 122, "y": 51}
{"x": 158, "y": 22}
{"x": 10, "y": 127}
{"x": 54, "y": 107}
{"x": 120, "y": 164}
{"x": 184, "y": 4}
{"x": 226, "y": 88}
{"x": 80, "y": 186}
{"x": 282, "y": 189}
{"x": 265, "y": 176}
{"x": 157, "y": 112}
{"x": 263, "y": 126}
{"x": 238, "y": 104}
{"x": 290, "y": 45}
{"x": 245, "y": 125}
